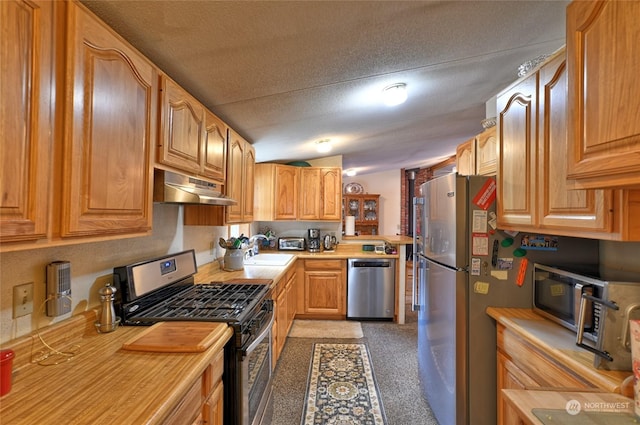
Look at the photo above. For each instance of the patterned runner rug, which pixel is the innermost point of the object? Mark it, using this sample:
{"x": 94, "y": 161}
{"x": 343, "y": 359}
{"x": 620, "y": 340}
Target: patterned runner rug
{"x": 341, "y": 388}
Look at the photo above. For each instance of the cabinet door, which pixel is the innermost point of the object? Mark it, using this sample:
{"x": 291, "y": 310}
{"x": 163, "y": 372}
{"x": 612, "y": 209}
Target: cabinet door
{"x": 110, "y": 124}
{"x": 215, "y": 148}
{"x": 517, "y": 160}
{"x": 603, "y": 61}
{"x": 324, "y": 288}
{"x": 310, "y": 194}
{"x": 487, "y": 152}
{"x": 213, "y": 413}
{"x": 26, "y": 128}
{"x": 282, "y": 314}
{"x": 510, "y": 377}
{"x": 466, "y": 158}
{"x": 331, "y": 193}
{"x": 248, "y": 175}
{"x": 286, "y": 192}
{"x": 353, "y": 206}
{"x": 234, "y": 177}
{"x": 560, "y": 207}
{"x": 182, "y": 124}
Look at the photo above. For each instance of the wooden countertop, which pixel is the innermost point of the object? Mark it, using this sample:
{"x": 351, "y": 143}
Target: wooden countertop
{"x": 212, "y": 272}
{"x": 102, "y": 383}
{"x": 392, "y": 239}
{"x": 559, "y": 344}
{"x": 524, "y": 401}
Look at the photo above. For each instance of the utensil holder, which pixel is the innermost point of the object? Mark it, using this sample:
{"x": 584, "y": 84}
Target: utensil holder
{"x": 234, "y": 259}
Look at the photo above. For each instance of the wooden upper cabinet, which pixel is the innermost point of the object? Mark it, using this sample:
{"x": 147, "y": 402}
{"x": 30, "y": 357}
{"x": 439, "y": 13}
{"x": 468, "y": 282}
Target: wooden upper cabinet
{"x": 310, "y": 188}
{"x": 560, "y": 207}
{"x": 276, "y": 192}
{"x": 249, "y": 166}
{"x": 466, "y": 158}
{"x": 182, "y": 128}
{"x": 110, "y": 122}
{"x": 240, "y": 179}
{"x": 517, "y": 154}
{"x": 603, "y": 62}
{"x": 320, "y": 193}
{"x": 486, "y": 158}
{"x": 26, "y": 55}
{"x": 331, "y": 193}
{"x": 215, "y": 148}
{"x": 286, "y": 192}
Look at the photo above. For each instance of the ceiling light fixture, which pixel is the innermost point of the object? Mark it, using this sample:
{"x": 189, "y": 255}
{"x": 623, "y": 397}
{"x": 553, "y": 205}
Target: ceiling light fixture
{"x": 395, "y": 94}
{"x": 323, "y": 146}
{"x": 351, "y": 172}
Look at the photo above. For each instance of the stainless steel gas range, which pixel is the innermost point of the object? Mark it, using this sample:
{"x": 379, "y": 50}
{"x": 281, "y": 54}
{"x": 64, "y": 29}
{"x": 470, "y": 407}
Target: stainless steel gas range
{"x": 163, "y": 289}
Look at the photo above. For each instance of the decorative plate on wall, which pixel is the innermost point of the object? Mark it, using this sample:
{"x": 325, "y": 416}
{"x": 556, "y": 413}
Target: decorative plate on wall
{"x": 353, "y": 188}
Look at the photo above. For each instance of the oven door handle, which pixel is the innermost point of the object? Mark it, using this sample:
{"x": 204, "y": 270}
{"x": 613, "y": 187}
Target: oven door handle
{"x": 260, "y": 336}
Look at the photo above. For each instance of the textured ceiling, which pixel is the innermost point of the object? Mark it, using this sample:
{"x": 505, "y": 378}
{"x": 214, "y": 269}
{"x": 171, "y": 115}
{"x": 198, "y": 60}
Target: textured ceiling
{"x": 286, "y": 74}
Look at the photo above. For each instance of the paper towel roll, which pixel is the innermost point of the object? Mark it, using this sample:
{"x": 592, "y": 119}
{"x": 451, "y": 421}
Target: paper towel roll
{"x": 349, "y": 225}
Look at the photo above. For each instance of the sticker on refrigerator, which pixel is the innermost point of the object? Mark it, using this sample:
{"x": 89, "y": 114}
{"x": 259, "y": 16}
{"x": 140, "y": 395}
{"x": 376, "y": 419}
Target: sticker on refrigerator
{"x": 480, "y": 244}
{"x": 505, "y": 263}
{"x": 479, "y": 221}
{"x": 481, "y": 288}
{"x": 539, "y": 242}
{"x": 475, "y": 266}
{"x": 486, "y": 195}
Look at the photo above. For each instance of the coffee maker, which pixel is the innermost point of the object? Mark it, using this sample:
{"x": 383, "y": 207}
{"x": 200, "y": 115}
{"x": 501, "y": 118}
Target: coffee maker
{"x": 314, "y": 240}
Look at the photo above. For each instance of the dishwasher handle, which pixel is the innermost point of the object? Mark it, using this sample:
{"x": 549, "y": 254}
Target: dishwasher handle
{"x": 369, "y": 263}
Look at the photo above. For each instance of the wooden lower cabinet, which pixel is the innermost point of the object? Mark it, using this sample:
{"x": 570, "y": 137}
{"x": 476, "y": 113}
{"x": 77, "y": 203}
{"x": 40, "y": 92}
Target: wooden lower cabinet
{"x": 203, "y": 403}
{"x": 520, "y": 365}
{"x": 323, "y": 289}
{"x": 212, "y": 412}
{"x": 284, "y": 310}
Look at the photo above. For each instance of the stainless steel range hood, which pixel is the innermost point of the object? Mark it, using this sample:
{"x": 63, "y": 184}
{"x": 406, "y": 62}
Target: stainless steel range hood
{"x": 174, "y": 188}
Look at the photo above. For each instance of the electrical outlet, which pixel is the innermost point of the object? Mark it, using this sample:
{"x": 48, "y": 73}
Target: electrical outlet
{"x": 22, "y": 300}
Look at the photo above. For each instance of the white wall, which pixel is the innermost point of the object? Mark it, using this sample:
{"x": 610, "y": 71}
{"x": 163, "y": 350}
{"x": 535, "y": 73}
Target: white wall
{"x": 92, "y": 266}
{"x": 388, "y": 185}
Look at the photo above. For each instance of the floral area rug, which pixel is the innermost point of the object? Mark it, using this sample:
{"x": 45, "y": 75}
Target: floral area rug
{"x": 342, "y": 389}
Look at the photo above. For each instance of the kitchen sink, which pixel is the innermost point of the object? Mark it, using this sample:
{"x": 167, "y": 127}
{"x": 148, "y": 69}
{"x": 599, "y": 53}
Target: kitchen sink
{"x": 268, "y": 260}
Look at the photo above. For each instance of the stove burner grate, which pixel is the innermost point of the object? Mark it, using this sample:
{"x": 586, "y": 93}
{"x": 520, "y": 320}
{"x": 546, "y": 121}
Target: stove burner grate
{"x": 212, "y": 301}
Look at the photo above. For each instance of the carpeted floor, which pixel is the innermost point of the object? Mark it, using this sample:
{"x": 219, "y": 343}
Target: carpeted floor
{"x": 393, "y": 353}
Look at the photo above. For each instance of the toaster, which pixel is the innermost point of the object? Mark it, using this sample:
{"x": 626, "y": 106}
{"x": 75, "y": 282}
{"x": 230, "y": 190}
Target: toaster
{"x": 292, "y": 244}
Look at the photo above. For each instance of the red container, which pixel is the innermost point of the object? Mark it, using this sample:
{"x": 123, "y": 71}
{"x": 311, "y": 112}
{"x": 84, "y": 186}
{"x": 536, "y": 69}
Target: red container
{"x": 6, "y": 370}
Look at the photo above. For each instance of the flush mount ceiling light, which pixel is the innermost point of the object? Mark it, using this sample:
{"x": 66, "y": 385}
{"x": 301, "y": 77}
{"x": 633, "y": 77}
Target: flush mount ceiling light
{"x": 323, "y": 146}
{"x": 351, "y": 172}
{"x": 395, "y": 94}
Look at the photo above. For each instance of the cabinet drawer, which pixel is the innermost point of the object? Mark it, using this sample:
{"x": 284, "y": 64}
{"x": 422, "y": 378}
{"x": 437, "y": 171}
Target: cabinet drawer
{"x": 536, "y": 364}
{"x": 213, "y": 374}
{"x": 189, "y": 407}
{"x": 324, "y": 264}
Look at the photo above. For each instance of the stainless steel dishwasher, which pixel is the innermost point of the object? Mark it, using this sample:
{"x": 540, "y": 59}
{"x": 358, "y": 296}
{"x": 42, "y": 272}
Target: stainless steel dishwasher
{"x": 371, "y": 288}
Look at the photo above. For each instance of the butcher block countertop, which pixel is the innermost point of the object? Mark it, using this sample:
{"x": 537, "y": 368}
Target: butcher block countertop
{"x": 559, "y": 345}
{"x": 212, "y": 272}
{"x": 551, "y": 407}
{"x": 102, "y": 383}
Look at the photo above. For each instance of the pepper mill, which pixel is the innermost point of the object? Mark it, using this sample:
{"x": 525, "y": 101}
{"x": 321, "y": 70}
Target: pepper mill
{"x": 108, "y": 321}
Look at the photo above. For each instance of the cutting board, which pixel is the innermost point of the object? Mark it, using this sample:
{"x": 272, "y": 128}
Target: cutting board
{"x": 176, "y": 337}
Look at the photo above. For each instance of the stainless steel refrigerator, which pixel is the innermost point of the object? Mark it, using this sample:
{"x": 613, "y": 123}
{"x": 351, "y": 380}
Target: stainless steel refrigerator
{"x": 462, "y": 267}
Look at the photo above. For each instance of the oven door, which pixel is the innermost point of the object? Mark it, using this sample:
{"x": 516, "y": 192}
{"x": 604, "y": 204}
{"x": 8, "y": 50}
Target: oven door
{"x": 256, "y": 374}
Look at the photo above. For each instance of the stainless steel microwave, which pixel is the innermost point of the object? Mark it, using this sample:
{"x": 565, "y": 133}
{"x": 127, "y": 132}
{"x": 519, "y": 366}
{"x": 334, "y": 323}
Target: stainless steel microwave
{"x": 596, "y": 305}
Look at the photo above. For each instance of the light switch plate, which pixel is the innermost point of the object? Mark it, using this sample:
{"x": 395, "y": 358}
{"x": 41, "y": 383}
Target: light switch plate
{"x": 22, "y": 300}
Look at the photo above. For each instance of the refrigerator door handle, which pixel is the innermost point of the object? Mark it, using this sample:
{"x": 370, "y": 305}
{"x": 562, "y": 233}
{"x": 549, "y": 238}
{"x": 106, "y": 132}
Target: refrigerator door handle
{"x": 416, "y": 258}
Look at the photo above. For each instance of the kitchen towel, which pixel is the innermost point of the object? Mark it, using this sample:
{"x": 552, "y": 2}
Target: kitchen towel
{"x": 349, "y": 225}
